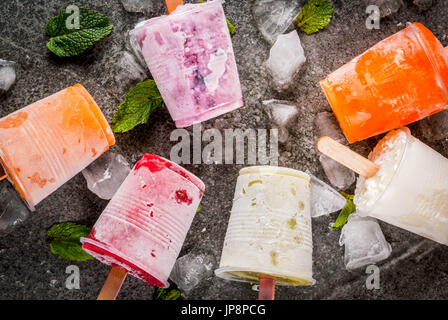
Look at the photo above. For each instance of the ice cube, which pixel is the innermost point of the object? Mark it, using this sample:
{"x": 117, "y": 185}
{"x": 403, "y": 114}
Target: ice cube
{"x": 327, "y": 125}
{"x": 434, "y": 127}
{"x": 130, "y": 72}
{"x": 387, "y": 7}
{"x": 7, "y": 75}
{"x": 133, "y": 46}
{"x": 285, "y": 59}
{"x": 423, "y": 4}
{"x": 324, "y": 199}
{"x": 142, "y": 6}
{"x": 12, "y": 208}
{"x": 106, "y": 174}
{"x": 364, "y": 242}
{"x": 339, "y": 176}
{"x": 283, "y": 115}
{"x": 191, "y": 269}
{"x": 273, "y": 17}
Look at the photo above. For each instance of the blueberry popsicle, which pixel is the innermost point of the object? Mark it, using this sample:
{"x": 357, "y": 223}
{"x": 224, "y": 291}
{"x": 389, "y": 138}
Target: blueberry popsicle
{"x": 269, "y": 231}
{"x": 45, "y": 144}
{"x": 190, "y": 56}
{"x": 143, "y": 228}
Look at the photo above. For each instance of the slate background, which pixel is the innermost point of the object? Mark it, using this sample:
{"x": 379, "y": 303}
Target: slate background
{"x": 417, "y": 269}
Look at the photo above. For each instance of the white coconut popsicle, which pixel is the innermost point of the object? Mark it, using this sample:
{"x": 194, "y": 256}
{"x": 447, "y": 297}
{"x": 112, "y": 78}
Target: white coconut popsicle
{"x": 269, "y": 232}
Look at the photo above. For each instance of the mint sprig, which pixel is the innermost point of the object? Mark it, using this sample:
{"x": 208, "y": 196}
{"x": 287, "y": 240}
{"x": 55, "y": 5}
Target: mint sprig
{"x": 168, "y": 294}
{"x": 139, "y": 104}
{"x": 64, "y": 241}
{"x": 345, "y": 212}
{"x": 65, "y": 42}
{"x": 314, "y": 16}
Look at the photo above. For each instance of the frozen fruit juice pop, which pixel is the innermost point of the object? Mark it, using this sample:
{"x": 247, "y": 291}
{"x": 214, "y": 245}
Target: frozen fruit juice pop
{"x": 400, "y": 80}
{"x": 190, "y": 56}
{"x": 143, "y": 228}
{"x": 410, "y": 189}
{"x": 269, "y": 231}
{"x": 45, "y": 144}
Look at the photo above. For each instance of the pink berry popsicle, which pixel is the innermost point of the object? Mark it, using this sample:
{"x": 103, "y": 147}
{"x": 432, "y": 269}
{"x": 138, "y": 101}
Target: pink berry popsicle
{"x": 143, "y": 228}
{"x": 190, "y": 56}
{"x": 45, "y": 144}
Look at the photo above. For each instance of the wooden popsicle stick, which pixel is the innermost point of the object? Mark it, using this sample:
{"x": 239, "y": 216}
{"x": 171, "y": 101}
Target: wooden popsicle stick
{"x": 113, "y": 284}
{"x": 171, "y": 5}
{"x": 347, "y": 157}
{"x": 266, "y": 288}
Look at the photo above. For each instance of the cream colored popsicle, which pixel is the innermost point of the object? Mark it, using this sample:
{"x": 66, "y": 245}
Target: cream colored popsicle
{"x": 269, "y": 232}
{"x": 410, "y": 190}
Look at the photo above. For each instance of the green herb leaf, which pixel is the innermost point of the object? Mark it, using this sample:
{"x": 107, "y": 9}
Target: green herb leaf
{"x": 64, "y": 241}
{"x": 345, "y": 212}
{"x": 315, "y": 15}
{"x": 168, "y": 294}
{"x": 229, "y": 24}
{"x": 140, "y": 103}
{"x": 199, "y": 208}
{"x": 64, "y": 42}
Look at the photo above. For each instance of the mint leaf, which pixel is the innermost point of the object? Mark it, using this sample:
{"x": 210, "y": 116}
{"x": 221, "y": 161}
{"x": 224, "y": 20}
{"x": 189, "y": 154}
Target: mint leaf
{"x": 199, "y": 208}
{"x": 140, "y": 102}
{"x": 64, "y": 42}
{"x": 315, "y": 15}
{"x": 345, "y": 212}
{"x": 168, "y": 294}
{"x": 64, "y": 241}
{"x": 229, "y": 24}
{"x": 231, "y": 27}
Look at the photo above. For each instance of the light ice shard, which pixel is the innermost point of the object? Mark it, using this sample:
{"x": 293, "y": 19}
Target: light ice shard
{"x": 283, "y": 115}
{"x": 7, "y": 75}
{"x": 327, "y": 125}
{"x": 339, "y": 176}
{"x": 273, "y": 17}
{"x": 364, "y": 242}
{"x": 12, "y": 209}
{"x": 106, "y": 174}
{"x": 324, "y": 199}
{"x": 191, "y": 269}
{"x": 285, "y": 59}
{"x": 130, "y": 72}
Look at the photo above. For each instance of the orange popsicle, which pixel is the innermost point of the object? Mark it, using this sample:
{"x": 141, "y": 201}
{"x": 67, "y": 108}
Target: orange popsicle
{"x": 45, "y": 144}
{"x": 400, "y": 80}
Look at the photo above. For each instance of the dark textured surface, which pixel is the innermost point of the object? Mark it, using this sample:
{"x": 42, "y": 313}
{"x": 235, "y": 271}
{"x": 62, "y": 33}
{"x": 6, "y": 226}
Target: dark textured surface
{"x": 418, "y": 268}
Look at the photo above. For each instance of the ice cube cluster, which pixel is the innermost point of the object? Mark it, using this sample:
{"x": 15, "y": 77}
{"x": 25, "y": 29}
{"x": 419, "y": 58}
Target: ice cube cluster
{"x": 364, "y": 242}
{"x": 338, "y": 175}
{"x": 324, "y": 199}
{"x": 285, "y": 59}
{"x": 283, "y": 115}
{"x": 273, "y": 17}
{"x": 191, "y": 269}
{"x": 12, "y": 208}
{"x": 106, "y": 174}
{"x": 7, "y": 75}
